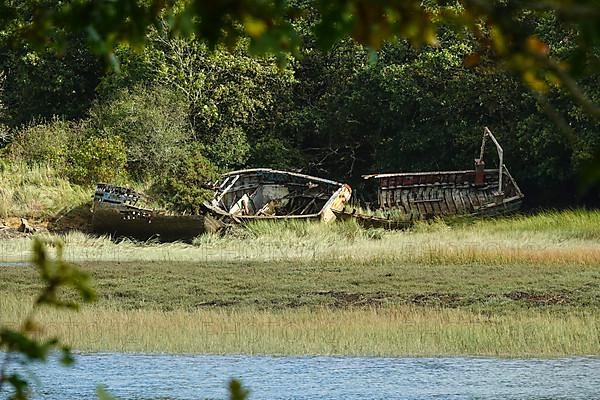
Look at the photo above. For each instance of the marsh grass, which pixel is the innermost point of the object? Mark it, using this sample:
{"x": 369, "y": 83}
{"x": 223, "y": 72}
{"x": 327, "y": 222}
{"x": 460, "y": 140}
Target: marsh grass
{"x": 520, "y": 286}
{"x": 568, "y": 237}
{"x": 515, "y": 286}
{"x": 391, "y": 331}
{"x": 37, "y": 191}
{"x": 192, "y": 285}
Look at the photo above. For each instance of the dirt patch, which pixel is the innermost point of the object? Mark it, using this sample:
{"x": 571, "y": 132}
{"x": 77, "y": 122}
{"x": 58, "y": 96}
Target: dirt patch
{"x": 11, "y": 233}
{"x": 73, "y": 219}
{"x": 345, "y": 299}
{"x": 437, "y": 299}
{"x": 9, "y": 228}
{"x": 539, "y": 298}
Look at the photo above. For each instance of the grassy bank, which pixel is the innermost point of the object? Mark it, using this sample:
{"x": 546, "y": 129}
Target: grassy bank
{"x": 558, "y": 238}
{"x": 37, "y": 192}
{"x": 521, "y": 286}
{"x": 188, "y": 286}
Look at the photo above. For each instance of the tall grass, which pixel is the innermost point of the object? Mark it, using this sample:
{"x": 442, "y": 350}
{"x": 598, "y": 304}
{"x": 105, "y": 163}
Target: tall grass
{"x": 392, "y": 331}
{"x": 566, "y": 225}
{"x": 568, "y": 237}
{"x": 519, "y": 286}
{"x": 36, "y": 191}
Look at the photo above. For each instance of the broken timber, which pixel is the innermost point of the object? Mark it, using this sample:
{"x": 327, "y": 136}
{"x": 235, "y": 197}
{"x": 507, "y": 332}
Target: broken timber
{"x": 239, "y": 196}
{"x": 416, "y": 196}
{"x": 268, "y": 194}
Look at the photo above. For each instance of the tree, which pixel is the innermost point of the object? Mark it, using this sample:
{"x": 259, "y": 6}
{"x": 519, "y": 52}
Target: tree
{"x": 228, "y": 99}
{"x": 340, "y": 106}
{"x": 4, "y": 134}
{"x": 423, "y": 109}
{"x": 41, "y": 84}
{"x": 151, "y": 121}
{"x": 501, "y": 28}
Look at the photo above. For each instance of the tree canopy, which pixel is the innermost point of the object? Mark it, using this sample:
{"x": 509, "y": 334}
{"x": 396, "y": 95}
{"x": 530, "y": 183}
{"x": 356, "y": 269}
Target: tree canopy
{"x": 333, "y": 88}
{"x": 501, "y": 27}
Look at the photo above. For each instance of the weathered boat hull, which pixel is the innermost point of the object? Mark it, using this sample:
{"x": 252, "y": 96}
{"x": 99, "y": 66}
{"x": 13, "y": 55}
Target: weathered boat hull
{"x": 438, "y": 194}
{"x": 116, "y": 212}
{"x": 403, "y": 198}
{"x": 267, "y": 194}
{"x": 150, "y": 226}
{"x": 371, "y": 221}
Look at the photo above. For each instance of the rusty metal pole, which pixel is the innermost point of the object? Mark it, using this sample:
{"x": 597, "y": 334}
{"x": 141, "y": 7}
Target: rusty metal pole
{"x": 500, "y": 156}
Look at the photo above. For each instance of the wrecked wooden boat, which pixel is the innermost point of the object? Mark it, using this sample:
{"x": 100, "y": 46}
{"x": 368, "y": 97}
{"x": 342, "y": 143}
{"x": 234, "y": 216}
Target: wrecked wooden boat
{"x": 403, "y": 198}
{"x": 118, "y": 211}
{"x": 268, "y": 194}
{"x": 240, "y": 196}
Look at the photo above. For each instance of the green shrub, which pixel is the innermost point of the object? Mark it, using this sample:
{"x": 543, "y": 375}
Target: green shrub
{"x": 273, "y": 152}
{"x": 98, "y": 159}
{"x": 152, "y": 123}
{"x": 227, "y": 148}
{"x": 185, "y": 187}
{"x": 44, "y": 144}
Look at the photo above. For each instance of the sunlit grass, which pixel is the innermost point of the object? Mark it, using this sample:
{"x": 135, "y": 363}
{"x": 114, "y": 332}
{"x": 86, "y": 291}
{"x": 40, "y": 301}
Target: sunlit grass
{"x": 568, "y": 237}
{"x": 519, "y": 286}
{"x": 168, "y": 285}
{"x": 37, "y": 191}
{"x": 391, "y": 331}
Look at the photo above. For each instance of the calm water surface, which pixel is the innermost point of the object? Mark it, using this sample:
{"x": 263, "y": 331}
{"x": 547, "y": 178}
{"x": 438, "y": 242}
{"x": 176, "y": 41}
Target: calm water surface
{"x": 14, "y": 264}
{"x": 142, "y": 376}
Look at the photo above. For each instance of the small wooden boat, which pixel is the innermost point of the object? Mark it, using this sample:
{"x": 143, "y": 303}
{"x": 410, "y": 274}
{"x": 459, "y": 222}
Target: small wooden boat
{"x": 116, "y": 211}
{"x": 240, "y": 196}
{"x": 268, "y": 194}
{"x": 403, "y": 198}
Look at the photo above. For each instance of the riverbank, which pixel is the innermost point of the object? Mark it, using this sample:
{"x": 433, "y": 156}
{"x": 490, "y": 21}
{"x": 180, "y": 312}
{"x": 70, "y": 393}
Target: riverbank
{"x": 522, "y": 286}
{"x": 551, "y": 238}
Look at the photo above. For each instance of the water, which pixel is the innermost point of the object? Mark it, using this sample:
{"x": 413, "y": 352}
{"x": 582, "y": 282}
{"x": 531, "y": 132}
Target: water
{"x": 14, "y": 264}
{"x": 139, "y": 376}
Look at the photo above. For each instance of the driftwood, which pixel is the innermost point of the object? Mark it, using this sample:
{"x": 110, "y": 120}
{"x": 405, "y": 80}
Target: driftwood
{"x": 25, "y": 227}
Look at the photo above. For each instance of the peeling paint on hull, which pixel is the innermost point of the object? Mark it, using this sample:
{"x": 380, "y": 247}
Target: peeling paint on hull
{"x": 160, "y": 227}
{"x": 414, "y": 196}
{"x": 116, "y": 212}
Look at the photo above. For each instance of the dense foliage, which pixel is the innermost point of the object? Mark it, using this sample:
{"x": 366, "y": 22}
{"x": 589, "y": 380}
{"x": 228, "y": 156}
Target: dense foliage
{"x": 177, "y": 112}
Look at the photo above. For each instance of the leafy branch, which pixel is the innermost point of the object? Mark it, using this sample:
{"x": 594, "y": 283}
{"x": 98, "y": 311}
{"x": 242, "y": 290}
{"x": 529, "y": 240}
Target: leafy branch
{"x": 21, "y": 344}
{"x": 502, "y": 27}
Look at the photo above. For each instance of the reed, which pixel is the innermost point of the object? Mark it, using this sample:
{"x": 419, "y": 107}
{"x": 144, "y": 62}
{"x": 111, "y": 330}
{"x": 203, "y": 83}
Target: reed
{"x": 374, "y": 331}
{"x": 192, "y": 285}
{"x": 521, "y": 286}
